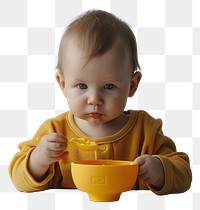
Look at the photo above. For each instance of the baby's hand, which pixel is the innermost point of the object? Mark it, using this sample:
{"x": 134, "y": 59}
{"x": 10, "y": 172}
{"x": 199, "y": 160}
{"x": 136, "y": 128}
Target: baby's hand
{"x": 51, "y": 148}
{"x": 151, "y": 170}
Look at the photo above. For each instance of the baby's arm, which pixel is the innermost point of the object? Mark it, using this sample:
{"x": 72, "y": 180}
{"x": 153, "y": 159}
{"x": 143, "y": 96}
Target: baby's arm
{"x": 25, "y": 172}
{"x": 151, "y": 170}
{"x": 167, "y": 172}
{"x": 50, "y": 149}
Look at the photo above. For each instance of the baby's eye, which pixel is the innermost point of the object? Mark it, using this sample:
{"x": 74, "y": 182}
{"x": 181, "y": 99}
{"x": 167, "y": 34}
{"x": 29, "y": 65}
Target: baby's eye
{"x": 108, "y": 86}
{"x": 82, "y": 86}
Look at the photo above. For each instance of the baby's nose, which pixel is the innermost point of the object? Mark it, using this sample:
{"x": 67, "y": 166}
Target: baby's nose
{"x": 95, "y": 98}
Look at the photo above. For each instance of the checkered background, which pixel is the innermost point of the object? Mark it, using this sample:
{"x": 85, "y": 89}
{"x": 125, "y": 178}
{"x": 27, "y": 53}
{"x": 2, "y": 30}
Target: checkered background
{"x": 168, "y": 36}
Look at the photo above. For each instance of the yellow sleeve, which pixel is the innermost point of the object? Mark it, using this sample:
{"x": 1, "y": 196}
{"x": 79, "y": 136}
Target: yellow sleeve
{"x": 18, "y": 171}
{"x": 21, "y": 177}
{"x": 176, "y": 165}
{"x": 178, "y": 175}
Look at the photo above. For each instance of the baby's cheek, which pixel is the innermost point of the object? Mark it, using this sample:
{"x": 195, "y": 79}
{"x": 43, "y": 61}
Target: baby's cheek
{"x": 76, "y": 107}
{"x": 117, "y": 106}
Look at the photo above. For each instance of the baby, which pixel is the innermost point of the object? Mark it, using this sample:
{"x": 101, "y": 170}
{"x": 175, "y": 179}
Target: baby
{"x": 97, "y": 71}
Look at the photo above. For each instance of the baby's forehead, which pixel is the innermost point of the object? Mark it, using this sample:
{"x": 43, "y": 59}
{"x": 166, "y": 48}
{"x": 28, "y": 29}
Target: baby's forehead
{"x": 118, "y": 46}
{"x": 114, "y": 59}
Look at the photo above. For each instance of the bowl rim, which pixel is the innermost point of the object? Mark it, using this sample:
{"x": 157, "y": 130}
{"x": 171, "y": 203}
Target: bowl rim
{"x": 104, "y": 162}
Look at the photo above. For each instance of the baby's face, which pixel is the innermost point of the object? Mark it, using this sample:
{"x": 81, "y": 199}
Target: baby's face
{"x": 97, "y": 90}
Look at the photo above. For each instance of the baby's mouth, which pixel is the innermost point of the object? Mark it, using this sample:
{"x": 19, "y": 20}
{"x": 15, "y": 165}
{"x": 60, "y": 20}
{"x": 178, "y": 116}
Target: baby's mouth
{"x": 95, "y": 115}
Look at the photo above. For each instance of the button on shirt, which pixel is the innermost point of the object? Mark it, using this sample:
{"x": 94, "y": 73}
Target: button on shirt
{"x": 105, "y": 151}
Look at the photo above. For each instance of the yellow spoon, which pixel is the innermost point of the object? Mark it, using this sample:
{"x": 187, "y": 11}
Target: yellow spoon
{"x": 81, "y": 143}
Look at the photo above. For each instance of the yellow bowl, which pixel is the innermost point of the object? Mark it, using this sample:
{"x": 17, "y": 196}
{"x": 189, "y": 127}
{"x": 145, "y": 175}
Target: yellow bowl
{"x": 104, "y": 180}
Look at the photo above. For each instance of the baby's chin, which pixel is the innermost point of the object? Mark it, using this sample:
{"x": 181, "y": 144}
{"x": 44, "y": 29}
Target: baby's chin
{"x": 95, "y": 121}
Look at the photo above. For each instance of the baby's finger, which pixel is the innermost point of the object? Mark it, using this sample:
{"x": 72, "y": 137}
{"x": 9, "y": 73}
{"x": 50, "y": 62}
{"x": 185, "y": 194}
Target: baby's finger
{"x": 142, "y": 170}
{"x": 56, "y": 154}
{"x": 146, "y": 178}
{"x": 57, "y": 146}
{"x": 56, "y": 137}
{"x": 140, "y": 160}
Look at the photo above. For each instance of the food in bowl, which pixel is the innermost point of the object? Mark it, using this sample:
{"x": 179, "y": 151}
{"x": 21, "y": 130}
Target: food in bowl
{"x": 104, "y": 180}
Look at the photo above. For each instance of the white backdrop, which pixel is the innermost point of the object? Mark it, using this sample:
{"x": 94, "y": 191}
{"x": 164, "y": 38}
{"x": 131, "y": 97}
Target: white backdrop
{"x": 168, "y": 36}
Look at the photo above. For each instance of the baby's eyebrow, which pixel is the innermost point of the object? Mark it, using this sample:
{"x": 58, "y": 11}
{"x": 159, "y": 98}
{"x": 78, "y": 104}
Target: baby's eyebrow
{"x": 103, "y": 81}
{"x": 112, "y": 80}
{"x": 80, "y": 79}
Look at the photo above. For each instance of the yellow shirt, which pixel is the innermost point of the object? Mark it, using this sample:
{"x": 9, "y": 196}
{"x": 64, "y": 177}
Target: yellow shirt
{"x": 141, "y": 135}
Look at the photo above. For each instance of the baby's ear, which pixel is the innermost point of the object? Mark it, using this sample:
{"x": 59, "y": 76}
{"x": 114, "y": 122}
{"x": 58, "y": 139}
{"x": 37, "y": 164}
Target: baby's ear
{"x": 134, "y": 83}
{"x": 60, "y": 79}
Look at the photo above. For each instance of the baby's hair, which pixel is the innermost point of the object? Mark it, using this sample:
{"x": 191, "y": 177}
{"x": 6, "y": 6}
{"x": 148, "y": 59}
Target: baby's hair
{"x": 96, "y": 32}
